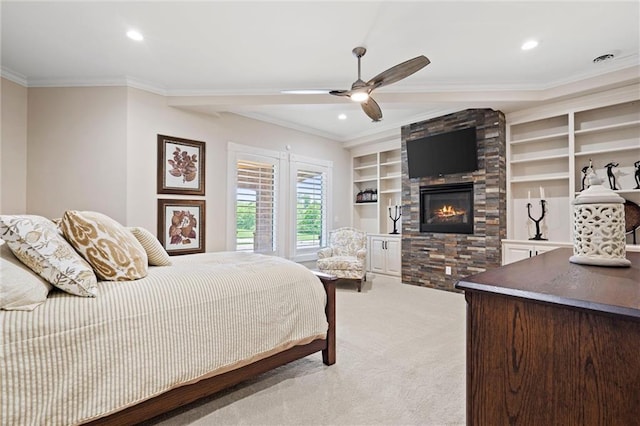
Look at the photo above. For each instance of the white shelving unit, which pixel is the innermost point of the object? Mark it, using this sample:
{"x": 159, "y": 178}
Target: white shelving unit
{"x": 547, "y": 148}
{"x": 380, "y": 171}
{"x": 378, "y": 167}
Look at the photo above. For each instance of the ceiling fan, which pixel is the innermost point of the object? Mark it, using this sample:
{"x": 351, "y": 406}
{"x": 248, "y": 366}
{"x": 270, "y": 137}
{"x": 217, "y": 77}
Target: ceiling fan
{"x": 360, "y": 91}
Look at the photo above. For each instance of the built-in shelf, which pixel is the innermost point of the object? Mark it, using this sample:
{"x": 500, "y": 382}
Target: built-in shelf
{"x": 542, "y": 158}
{"x": 607, "y": 150}
{"x": 540, "y": 138}
{"x": 620, "y": 191}
{"x": 537, "y": 178}
{"x": 618, "y": 126}
{"x": 373, "y": 166}
{"x": 379, "y": 170}
{"x": 548, "y": 153}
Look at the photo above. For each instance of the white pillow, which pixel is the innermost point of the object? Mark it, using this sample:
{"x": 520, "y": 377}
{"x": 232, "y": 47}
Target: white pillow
{"x": 20, "y": 288}
{"x": 36, "y": 242}
{"x": 155, "y": 252}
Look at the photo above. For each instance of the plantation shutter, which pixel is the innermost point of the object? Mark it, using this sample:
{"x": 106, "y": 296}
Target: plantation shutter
{"x": 256, "y": 215}
{"x": 311, "y": 208}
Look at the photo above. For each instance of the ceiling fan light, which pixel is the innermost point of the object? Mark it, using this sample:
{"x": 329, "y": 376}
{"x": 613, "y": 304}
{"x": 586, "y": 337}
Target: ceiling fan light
{"x": 359, "y": 96}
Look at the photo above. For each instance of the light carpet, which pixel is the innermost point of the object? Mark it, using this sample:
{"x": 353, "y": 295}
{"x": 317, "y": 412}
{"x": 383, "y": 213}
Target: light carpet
{"x": 400, "y": 361}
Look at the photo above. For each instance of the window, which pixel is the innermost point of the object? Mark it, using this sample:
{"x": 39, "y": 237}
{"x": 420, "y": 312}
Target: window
{"x": 255, "y": 206}
{"x": 310, "y": 191}
{"x": 310, "y": 209}
{"x": 278, "y": 203}
{"x": 254, "y": 200}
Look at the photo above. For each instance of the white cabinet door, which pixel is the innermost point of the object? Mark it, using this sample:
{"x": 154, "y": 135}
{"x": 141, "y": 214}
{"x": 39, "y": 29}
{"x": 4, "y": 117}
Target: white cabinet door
{"x": 385, "y": 255}
{"x": 394, "y": 262}
{"x": 377, "y": 255}
{"x": 515, "y": 253}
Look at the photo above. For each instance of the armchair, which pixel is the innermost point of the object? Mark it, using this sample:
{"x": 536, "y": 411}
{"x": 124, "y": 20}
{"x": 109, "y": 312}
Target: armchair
{"x": 345, "y": 255}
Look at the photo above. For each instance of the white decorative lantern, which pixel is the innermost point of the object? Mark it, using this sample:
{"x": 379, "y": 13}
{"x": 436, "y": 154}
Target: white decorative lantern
{"x": 598, "y": 226}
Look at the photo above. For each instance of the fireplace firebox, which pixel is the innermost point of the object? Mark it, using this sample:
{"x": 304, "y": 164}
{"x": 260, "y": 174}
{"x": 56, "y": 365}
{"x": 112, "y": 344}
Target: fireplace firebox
{"x": 447, "y": 208}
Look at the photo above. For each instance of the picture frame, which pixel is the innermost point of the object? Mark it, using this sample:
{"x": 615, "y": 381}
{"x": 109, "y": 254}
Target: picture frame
{"x": 181, "y": 226}
{"x": 181, "y": 166}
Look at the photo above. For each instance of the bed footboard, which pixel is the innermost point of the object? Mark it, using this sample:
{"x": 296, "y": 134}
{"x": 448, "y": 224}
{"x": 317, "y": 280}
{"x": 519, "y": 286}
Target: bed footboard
{"x": 186, "y": 394}
{"x": 329, "y": 282}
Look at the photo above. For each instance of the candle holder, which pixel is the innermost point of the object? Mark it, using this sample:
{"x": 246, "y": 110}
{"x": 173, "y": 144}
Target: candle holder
{"x": 538, "y": 236}
{"x": 395, "y": 218}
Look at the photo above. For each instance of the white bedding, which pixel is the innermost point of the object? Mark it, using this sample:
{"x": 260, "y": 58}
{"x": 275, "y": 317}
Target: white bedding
{"x": 74, "y": 359}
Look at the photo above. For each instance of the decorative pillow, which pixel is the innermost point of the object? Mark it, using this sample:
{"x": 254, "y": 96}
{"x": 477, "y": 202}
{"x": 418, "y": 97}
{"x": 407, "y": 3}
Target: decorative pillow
{"x": 36, "y": 242}
{"x": 155, "y": 252}
{"x": 113, "y": 252}
{"x": 20, "y": 288}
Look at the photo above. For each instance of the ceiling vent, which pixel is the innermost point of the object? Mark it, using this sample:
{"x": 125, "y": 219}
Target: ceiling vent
{"x": 603, "y": 58}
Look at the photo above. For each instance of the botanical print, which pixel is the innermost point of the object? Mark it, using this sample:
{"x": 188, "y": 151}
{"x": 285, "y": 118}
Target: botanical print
{"x": 181, "y": 225}
{"x": 180, "y": 166}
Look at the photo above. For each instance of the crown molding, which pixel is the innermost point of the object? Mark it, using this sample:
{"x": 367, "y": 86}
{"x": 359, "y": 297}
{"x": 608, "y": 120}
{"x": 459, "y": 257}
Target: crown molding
{"x": 622, "y": 73}
{"x": 13, "y": 76}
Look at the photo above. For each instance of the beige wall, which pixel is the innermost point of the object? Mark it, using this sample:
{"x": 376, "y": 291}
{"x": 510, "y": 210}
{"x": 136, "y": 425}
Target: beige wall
{"x": 96, "y": 149}
{"x": 77, "y": 146}
{"x": 13, "y": 148}
{"x": 149, "y": 115}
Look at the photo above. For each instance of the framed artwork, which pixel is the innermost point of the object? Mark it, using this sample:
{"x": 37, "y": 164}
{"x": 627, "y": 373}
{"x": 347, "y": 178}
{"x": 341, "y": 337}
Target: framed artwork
{"x": 180, "y": 166}
{"x": 181, "y": 226}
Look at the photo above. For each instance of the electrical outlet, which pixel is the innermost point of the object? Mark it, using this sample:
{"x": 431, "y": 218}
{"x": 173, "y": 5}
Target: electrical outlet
{"x": 447, "y": 270}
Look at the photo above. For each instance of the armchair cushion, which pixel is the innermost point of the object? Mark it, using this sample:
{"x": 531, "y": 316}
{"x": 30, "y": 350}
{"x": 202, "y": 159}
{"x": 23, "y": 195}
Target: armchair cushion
{"x": 345, "y": 257}
{"x": 325, "y": 252}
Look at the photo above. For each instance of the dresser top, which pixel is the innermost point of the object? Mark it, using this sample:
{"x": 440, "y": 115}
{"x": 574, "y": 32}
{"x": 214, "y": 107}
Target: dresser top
{"x": 550, "y": 277}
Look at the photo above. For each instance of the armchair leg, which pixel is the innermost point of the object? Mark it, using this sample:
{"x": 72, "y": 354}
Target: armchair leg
{"x": 359, "y": 286}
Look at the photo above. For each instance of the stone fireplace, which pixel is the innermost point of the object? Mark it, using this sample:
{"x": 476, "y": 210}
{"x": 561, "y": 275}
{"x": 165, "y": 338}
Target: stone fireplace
{"x": 457, "y": 220}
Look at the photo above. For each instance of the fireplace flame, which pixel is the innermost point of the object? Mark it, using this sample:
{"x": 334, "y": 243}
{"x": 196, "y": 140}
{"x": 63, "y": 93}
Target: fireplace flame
{"x": 448, "y": 211}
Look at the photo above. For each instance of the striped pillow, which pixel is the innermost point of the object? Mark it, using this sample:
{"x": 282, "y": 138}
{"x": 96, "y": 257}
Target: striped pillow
{"x": 155, "y": 252}
{"x": 112, "y": 251}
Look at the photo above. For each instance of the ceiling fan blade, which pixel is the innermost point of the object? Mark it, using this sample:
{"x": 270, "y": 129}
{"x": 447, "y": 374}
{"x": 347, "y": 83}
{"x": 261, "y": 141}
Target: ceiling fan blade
{"x": 399, "y": 72}
{"x": 305, "y": 91}
{"x": 372, "y": 109}
{"x": 340, "y": 92}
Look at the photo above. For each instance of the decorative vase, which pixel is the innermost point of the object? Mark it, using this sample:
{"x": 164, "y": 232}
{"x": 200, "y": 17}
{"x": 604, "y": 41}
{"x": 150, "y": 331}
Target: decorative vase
{"x": 599, "y": 226}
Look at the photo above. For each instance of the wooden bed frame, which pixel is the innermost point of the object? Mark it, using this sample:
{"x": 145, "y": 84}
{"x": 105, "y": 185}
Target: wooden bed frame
{"x": 183, "y": 395}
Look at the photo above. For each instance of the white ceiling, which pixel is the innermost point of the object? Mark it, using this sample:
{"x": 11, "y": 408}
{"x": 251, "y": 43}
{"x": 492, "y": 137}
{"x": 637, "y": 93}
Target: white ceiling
{"x": 237, "y": 56}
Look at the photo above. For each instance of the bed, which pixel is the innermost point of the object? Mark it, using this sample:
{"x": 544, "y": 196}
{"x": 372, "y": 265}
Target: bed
{"x": 146, "y": 346}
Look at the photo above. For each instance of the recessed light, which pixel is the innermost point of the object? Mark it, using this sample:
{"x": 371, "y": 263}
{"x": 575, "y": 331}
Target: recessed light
{"x": 342, "y": 117}
{"x": 529, "y": 44}
{"x": 135, "y": 35}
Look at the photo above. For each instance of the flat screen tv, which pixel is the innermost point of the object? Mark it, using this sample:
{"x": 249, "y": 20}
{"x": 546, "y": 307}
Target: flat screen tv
{"x": 443, "y": 154}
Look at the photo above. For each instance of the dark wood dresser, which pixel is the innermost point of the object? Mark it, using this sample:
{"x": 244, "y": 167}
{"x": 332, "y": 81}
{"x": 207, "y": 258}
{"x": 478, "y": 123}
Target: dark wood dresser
{"x": 553, "y": 343}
